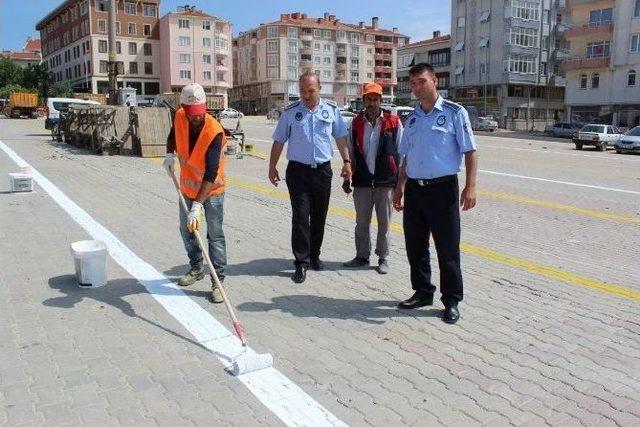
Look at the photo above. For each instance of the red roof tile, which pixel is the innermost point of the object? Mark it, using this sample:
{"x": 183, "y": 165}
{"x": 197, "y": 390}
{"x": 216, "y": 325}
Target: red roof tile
{"x": 32, "y": 45}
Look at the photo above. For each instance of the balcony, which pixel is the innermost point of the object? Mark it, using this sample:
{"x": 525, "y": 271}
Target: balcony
{"x": 340, "y": 77}
{"x": 306, "y": 64}
{"x": 341, "y": 52}
{"x": 561, "y": 54}
{"x": 381, "y": 57}
{"x": 561, "y": 28}
{"x": 385, "y": 82}
{"x": 584, "y": 63}
{"x": 382, "y": 69}
{"x": 589, "y": 29}
{"x": 306, "y": 37}
{"x": 558, "y": 80}
{"x": 383, "y": 45}
{"x": 341, "y": 67}
{"x": 560, "y": 4}
{"x": 306, "y": 50}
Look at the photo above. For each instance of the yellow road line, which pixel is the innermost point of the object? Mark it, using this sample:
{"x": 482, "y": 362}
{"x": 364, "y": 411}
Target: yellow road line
{"x": 543, "y": 270}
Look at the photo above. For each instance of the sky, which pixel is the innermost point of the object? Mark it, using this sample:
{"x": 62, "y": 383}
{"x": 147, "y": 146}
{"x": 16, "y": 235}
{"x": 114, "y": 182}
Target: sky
{"x": 415, "y": 18}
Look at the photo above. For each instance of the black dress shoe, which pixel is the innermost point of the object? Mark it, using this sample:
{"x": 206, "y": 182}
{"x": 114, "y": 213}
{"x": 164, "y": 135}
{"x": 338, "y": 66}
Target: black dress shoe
{"x": 450, "y": 315}
{"x": 300, "y": 274}
{"x": 316, "y": 264}
{"x": 419, "y": 299}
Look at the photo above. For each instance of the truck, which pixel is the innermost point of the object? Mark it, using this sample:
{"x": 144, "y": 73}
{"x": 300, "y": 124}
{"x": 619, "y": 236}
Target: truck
{"x": 22, "y": 104}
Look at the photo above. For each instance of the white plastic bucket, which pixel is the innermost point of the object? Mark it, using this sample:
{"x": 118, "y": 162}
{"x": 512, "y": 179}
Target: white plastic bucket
{"x": 20, "y": 182}
{"x": 90, "y": 257}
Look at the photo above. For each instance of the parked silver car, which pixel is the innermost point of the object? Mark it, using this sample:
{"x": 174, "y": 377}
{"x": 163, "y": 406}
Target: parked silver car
{"x": 629, "y": 142}
{"x": 600, "y": 136}
{"x": 562, "y": 130}
{"x": 487, "y": 124}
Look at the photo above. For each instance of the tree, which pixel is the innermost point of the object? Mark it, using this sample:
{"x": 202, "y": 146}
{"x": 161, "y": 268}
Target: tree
{"x": 36, "y": 77}
{"x": 10, "y": 73}
{"x": 7, "y": 90}
{"x": 61, "y": 89}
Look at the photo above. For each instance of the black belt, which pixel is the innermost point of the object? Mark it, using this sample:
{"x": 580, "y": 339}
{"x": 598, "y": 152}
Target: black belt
{"x": 431, "y": 181}
{"x": 312, "y": 165}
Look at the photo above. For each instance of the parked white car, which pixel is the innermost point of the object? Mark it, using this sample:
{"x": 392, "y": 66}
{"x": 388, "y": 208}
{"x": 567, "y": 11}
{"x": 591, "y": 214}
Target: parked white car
{"x": 562, "y": 130}
{"x": 347, "y": 116}
{"x": 230, "y": 113}
{"x": 629, "y": 142}
{"x": 56, "y": 105}
{"x": 599, "y": 136}
{"x": 486, "y": 123}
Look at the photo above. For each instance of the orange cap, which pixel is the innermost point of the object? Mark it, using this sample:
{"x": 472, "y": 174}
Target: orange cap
{"x": 368, "y": 88}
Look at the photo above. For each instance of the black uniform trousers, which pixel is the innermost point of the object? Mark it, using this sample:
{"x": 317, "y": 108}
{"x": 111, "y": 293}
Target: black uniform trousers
{"x": 309, "y": 191}
{"x": 433, "y": 209}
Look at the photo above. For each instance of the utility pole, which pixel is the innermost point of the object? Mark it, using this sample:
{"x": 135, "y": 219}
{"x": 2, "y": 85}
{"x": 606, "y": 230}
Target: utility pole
{"x": 112, "y": 64}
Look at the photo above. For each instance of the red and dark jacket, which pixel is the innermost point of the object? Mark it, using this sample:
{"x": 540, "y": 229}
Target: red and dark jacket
{"x": 386, "y": 172}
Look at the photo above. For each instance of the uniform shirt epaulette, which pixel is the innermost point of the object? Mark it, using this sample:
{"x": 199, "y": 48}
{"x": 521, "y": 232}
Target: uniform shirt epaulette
{"x": 293, "y": 104}
{"x": 331, "y": 102}
{"x": 452, "y": 105}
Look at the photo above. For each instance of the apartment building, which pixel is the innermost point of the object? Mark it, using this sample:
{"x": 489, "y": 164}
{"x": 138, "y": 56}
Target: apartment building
{"x": 506, "y": 57}
{"x": 269, "y": 59}
{"x": 195, "y": 47}
{"x": 604, "y": 61}
{"x": 75, "y": 44}
{"x": 435, "y": 51}
{"x": 29, "y": 55}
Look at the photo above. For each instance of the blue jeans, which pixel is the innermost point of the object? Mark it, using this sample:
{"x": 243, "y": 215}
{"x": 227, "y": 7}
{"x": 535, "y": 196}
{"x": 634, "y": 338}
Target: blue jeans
{"x": 213, "y": 212}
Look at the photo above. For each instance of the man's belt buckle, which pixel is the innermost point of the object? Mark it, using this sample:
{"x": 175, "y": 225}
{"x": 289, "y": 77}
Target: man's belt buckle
{"x": 424, "y": 182}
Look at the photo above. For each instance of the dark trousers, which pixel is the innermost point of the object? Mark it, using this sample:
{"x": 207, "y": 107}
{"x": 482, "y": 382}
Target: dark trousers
{"x": 434, "y": 210}
{"x": 309, "y": 191}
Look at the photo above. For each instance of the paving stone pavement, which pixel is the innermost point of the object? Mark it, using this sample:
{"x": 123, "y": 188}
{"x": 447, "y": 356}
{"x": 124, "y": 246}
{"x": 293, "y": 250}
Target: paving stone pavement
{"x": 529, "y": 349}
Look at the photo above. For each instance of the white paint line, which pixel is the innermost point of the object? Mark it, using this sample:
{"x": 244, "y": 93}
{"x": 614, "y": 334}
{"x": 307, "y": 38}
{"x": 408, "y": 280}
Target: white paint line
{"x": 604, "y": 156}
{"x": 279, "y": 394}
{"x": 575, "y": 184}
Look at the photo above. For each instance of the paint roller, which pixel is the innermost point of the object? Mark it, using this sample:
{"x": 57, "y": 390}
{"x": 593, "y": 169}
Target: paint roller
{"x": 248, "y": 360}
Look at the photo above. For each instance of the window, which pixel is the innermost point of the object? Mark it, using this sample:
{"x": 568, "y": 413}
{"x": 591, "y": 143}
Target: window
{"x": 461, "y": 21}
{"x": 272, "y": 59}
{"x": 133, "y": 68}
{"x": 459, "y": 71}
{"x": 327, "y": 47}
{"x": 148, "y": 51}
{"x": 316, "y": 46}
{"x": 102, "y": 46}
{"x": 146, "y": 30}
{"x": 293, "y": 46}
{"x": 369, "y": 37}
{"x": 206, "y": 75}
{"x": 84, "y": 8}
{"x": 293, "y": 32}
{"x": 206, "y": 25}
{"x": 184, "y": 58}
{"x": 369, "y": 76}
{"x": 185, "y": 74}
{"x": 521, "y": 64}
{"x": 118, "y": 48}
{"x": 317, "y": 59}
{"x": 101, "y": 6}
{"x": 631, "y": 78}
{"x": 221, "y": 42}
{"x": 272, "y": 45}
{"x": 326, "y": 34}
{"x": 220, "y": 77}
{"x": 317, "y": 33}
{"x": 484, "y": 17}
{"x": 292, "y": 73}
{"x": 583, "y": 81}
{"x": 635, "y": 43}
{"x": 341, "y": 35}
{"x": 148, "y": 68}
{"x": 272, "y": 31}
{"x": 355, "y": 76}
{"x": 355, "y": 38}
{"x": 526, "y": 37}
{"x": 636, "y": 9}
{"x": 326, "y": 60}
{"x": 355, "y": 51}
{"x": 272, "y": 73}
{"x": 183, "y": 23}
{"x": 131, "y": 28}
{"x": 600, "y": 16}
{"x": 293, "y": 60}
{"x": 369, "y": 63}
{"x": 103, "y": 66}
{"x": 206, "y": 42}
{"x": 184, "y": 41}
{"x": 595, "y": 80}
{"x": 102, "y": 26}
{"x": 129, "y": 8}
{"x": 601, "y": 49}
{"x": 355, "y": 62}
{"x": 133, "y": 48}
{"x": 525, "y": 10}
{"x": 206, "y": 59}
{"x": 149, "y": 10}
{"x": 117, "y": 27}
{"x": 326, "y": 74}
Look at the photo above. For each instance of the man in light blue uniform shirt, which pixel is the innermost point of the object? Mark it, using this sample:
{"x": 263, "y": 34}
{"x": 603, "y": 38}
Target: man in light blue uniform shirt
{"x": 308, "y": 127}
{"x": 436, "y": 137}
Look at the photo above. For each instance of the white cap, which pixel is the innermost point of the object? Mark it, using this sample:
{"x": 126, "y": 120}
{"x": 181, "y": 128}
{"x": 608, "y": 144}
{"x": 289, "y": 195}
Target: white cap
{"x": 193, "y": 99}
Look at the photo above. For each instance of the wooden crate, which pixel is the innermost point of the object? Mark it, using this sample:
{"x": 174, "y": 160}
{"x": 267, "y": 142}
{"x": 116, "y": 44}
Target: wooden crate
{"x": 154, "y": 124}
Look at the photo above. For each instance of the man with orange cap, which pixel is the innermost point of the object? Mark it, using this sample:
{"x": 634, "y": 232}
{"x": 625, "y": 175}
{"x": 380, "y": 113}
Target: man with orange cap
{"x": 374, "y": 139}
{"x": 199, "y": 142}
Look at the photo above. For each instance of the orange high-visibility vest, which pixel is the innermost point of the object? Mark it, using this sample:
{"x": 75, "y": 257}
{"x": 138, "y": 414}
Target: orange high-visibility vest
{"x": 192, "y": 167}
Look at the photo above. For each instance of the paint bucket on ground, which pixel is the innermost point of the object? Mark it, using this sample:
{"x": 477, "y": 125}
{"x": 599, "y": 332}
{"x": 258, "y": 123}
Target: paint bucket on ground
{"x": 90, "y": 258}
{"x": 20, "y": 182}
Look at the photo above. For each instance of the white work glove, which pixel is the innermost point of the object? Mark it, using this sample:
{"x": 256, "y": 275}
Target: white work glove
{"x": 195, "y": 217}
{"x": 168, "y": 162}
